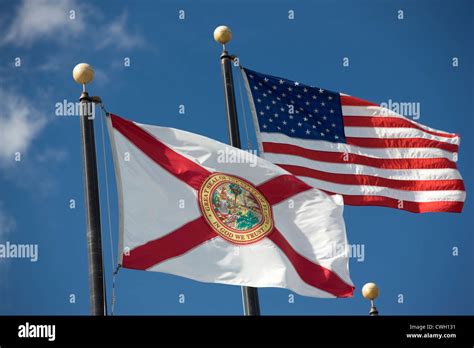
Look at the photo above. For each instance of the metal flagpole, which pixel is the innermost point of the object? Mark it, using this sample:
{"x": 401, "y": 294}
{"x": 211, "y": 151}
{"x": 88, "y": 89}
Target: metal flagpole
{"x": 223, "y": 35}
{"x": 83, "y": 74}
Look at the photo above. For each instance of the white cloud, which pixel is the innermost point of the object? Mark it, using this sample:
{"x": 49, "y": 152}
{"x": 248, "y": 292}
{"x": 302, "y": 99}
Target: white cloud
{"x": 116, "y": 34}
{"x": 20, "y": 124}
{"x": 44, "y": 19}
{"x": 37, "y": 20}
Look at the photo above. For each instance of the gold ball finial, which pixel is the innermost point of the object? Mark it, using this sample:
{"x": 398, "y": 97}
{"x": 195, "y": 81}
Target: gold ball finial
{"x": 222, "y": 34}
{"x": 83, "y": 73}
{"x": 370, "y": 291}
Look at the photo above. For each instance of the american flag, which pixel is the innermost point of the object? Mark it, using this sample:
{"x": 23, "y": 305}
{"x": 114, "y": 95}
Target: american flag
{"x": 345, "y": 145}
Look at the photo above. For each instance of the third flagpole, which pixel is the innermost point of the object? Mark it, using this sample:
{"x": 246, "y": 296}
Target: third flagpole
{"x": 223, "y": 35}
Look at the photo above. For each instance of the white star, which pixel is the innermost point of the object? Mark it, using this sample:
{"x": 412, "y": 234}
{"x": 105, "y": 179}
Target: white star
{"x": 321, "y": 90}
{"x": 336, "y": 137}
{"x": 274, "y": 102}
{"x": 265, "y": 79}
{"x": 276, "y": 115}
{"x": 264, "y": 94}
{"x": 307, "y": 103}
{"x": 281, "y": 82}
{"x": 322, "y": 104}
{"x": 319, "y": 122}
{"x": 330, "y": 98}
{"x": 255, "y": 87}
{"x": 331, "y": 111}
{"x": 309, "y": 115}
{"x": 297, "y": 83}
{"x": 269, "y": 91}
{"x": 314, "y": 97}
{"x": 265, "y": 126}
{"x": 305, "y": 119}
{"x": 283, "y": 95}
{"x": 292, "y": 101}
{"x": 270, "y": 120}
{"x": 262, "y": 113}
{"x": 278, "y": 127}
{"x": 316, "y": 111}
{"x": 290, "y": 89}
{"x": 267, "y": 107}
{"x": 305, "y": 90}
{"x": 299, "y": 124}
{"x": 284, "y": 123}
{"x": 251, "y": 76}
{"x": 259, "y": 100}
{"x": 290, "y": 117}
{"x": 314, "y": 126}
{"x": 325, "y": 118}
{"x": 278, "y": 98}
{"x": 260, "y": 84}
{"x": 297, "y": 111}
{"x": 292, "y": 130}
{"x": 298, "y": 96}
{"x": 274, "y": 87}
{"x": 333, "y": 125}
{"x": 282, "y": 109}
{"x": 327, "y": 130}
{"x": 322, "y": 134}
{"x": 308, "y": 131}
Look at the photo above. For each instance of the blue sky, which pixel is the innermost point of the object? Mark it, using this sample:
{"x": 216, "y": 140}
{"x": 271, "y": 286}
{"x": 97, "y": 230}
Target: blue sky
{"x": 176, "y": 62}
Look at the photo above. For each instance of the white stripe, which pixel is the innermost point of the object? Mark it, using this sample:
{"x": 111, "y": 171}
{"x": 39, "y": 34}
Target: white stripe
{"x": 374, "y": 111}
{"x": 387, "y": 153}
{"x": 358, "y": 169}
{"x": 395, "y": 133}
{"x": 414, "y": 196}
{"x": 377, "y": 111}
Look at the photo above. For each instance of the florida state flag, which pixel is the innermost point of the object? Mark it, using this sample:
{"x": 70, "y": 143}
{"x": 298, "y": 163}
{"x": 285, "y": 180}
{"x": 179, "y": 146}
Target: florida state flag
{"x": 201, "y": 209}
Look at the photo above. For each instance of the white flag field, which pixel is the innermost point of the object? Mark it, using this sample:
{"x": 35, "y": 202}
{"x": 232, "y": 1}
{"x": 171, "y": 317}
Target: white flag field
{"x": 188, "y": 211}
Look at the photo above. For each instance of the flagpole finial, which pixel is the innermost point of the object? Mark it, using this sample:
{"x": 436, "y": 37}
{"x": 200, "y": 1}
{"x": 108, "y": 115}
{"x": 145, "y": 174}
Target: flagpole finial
{"x": 222, "y": 35}
{"x": 370, "y": 291}
{"x": 83, "y": 73}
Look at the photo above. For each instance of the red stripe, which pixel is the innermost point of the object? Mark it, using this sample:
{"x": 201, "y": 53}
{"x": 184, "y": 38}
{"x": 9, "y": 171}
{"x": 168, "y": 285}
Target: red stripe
{"x": 310, "y": 272}
{"x": 347, "y": 100}
{"x": 389, "y": 122}
{"x": 176, "y": 164}
{"x": 369, "y": 180}
{"x": 174, "y": 244}
{"x": 282, "y": 187}
{"x": 401, "y": 143}
{"x": 340, "y": 157}
{"x": 414, "y": 207}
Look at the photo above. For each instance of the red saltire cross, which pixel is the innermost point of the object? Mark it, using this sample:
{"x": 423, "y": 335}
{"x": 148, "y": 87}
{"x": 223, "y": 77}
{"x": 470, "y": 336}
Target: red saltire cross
{"x": 198, "y": 231}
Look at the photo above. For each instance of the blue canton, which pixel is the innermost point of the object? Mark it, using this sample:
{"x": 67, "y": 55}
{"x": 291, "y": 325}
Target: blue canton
{"x": 296, "y": 109}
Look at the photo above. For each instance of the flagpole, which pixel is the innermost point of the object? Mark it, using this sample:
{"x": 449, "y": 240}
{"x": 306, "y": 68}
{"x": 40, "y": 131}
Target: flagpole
{"x": 83, "y": 74}
{"x": 223, "y": 35}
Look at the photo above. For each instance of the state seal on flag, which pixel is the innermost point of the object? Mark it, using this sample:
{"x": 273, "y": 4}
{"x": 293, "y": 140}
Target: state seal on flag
{"x": 235, "y": 209}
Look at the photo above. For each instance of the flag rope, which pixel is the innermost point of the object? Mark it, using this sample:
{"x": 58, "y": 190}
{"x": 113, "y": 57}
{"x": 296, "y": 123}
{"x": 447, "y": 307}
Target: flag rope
{"x": 249, "y": 144}
{"x": 115, "y": 270}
